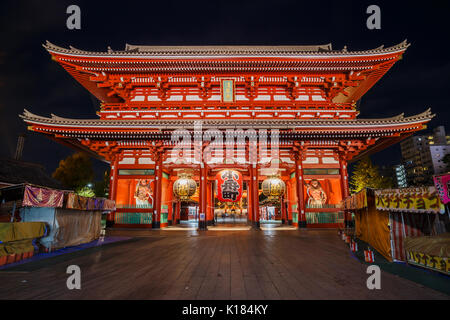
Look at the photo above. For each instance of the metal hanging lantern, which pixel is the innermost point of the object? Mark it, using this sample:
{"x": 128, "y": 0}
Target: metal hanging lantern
{"x": 273, "y": 188}
{"x": 184, "y": 188}
{"x": 229, "y": 186}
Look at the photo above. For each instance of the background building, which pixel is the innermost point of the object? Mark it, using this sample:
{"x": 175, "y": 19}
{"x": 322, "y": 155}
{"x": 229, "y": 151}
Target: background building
{"x": 423, "y": 156}
{"x": 400, "y": 176}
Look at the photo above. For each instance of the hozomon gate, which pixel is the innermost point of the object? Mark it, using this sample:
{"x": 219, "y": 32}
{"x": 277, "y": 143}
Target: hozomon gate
{"x": 289, "y": 111}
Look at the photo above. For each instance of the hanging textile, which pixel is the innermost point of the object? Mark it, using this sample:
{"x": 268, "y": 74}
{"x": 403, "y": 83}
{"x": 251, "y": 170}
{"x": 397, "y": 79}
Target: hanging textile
{"x": 95, "y": 204}
{"x": 75, "y": 201}
{"x": 442, "y": 184}
{"x": 410, "y": 225}
{"x": 42, "y": 197}
{"x": 372, "y": 227}
{"x": 72, "y": 201}
{"x": 421, "y": 200}
{"x": 109, "y": 205}
{"x": 356, "y": 201}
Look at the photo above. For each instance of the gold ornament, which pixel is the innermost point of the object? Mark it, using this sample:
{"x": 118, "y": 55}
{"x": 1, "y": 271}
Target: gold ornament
{"x": 273, "y": 188}
{"x": 184, "y": 187}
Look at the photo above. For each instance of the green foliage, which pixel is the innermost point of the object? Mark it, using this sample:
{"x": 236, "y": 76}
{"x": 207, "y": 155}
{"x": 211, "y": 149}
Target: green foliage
{"x": 75, "y": 172}
{"x": 85, "y": 192}
{"x": 367, "y": 175}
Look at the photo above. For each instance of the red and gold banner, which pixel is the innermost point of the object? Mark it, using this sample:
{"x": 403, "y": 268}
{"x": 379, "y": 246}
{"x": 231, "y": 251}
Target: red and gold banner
{"x": 41, "y": 197}
{"x": 229, "y": 185}
{"x": 421, "y": 200}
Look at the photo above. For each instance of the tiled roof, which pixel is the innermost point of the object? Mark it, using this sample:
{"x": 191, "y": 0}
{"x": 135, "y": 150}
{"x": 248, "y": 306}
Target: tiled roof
{"x": 17, "y": 172}
{"x": 27, "y": 116}
{"x": 212, "y": 51}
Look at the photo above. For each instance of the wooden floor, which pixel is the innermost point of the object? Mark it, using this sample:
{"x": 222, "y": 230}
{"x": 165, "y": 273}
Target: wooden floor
{"x": 309, "y": 264}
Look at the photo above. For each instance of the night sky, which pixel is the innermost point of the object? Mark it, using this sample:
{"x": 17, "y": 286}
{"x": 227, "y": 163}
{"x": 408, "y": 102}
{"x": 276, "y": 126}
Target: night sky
{"x": 30, "y": 79}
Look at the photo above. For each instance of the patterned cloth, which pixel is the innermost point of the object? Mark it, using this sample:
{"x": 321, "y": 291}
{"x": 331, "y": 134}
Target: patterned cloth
{"x": 42, "y": 197}
{"x": 75, "y": 201}
{"x": 356, "y": 201}
{"x": 95, "y": 203}
{"x": 442, "y": 184}
{"x": 109, "y": 205}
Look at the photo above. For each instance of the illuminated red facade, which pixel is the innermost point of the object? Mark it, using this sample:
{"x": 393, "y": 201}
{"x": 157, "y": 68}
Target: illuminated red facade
{"x": 290, "y": 111}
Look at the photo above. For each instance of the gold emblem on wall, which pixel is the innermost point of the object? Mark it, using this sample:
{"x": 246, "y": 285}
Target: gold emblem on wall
{"x": 227, "y": 90}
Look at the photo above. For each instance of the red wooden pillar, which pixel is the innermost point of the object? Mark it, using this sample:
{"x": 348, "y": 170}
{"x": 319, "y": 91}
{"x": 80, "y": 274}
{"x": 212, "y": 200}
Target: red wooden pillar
{"x": 156, "y": 221}
{"x": 255, "y": 196}
{"x": 289, "y": 201}
{"x": 300, "y": 198}
{"x": 344, "y": 185}
{"x": 249, "y": 199}
{"x": 178, "y": 212}
{"x": 209, "y": 204}
{"x": 171, "y": 214}
{"x": 112, "y": 189}
{"x": 283, "y": 210}
{"x": 202, "y": 198}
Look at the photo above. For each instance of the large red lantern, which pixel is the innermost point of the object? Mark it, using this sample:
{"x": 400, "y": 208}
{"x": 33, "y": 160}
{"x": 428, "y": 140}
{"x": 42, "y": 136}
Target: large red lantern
{"x": 229, "y": 185}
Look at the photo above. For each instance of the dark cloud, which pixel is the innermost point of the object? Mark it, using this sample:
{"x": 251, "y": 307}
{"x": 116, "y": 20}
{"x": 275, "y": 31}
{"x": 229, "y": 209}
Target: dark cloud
{"x": 29, "y": 79}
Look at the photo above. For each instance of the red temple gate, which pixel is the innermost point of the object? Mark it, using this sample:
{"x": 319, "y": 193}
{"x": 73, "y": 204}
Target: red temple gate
{"x": 289, "y": 111}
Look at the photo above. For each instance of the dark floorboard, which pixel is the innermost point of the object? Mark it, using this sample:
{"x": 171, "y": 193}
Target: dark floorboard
{"x": 225, "y": 265}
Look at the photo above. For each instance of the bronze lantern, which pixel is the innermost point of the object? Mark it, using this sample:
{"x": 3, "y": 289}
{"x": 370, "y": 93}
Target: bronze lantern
{"x": 273, "y": 188}
{"x": 184, "y": 188}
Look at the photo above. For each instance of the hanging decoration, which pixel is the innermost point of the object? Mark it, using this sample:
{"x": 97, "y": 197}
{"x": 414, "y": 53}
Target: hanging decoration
{"x": 356, "y": 201}
{"x": 42, "y": 197}
{"x": 442, "y": 184}
{"x": 184, "y": 187}
{"x": 229, "y": 185}
{"x": 273, "y": 188}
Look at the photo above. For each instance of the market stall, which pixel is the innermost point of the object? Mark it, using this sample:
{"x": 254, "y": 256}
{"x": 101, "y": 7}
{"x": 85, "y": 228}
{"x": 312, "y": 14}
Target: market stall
{"x": 371, "y": 226}
{"x": 413, "y": 212}
{"x": 393, "y": 221}
{"x": 70, "y": 219}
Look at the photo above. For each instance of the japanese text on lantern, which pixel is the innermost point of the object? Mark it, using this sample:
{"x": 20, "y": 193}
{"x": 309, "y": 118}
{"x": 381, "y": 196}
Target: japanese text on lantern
{"x": 229, "y": 186}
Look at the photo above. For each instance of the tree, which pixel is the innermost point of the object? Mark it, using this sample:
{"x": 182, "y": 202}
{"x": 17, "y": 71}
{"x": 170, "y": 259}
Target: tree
{"x": 85, "y": 192}
{"x": 367, "y": 175}
{"x": 75, "y": 172}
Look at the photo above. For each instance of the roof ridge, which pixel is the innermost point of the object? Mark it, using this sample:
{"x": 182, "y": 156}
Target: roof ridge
{"x": 250, "y": 50}
{"x": 427, "y": 114}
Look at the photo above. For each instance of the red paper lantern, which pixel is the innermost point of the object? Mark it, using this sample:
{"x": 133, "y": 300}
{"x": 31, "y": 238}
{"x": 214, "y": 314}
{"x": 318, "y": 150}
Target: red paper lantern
{"x": 229, "y": 186}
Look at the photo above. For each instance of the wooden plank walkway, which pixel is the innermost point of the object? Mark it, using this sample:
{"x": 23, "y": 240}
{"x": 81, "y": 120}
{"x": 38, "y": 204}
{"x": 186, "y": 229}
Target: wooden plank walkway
{"x": 307, "y": 264}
